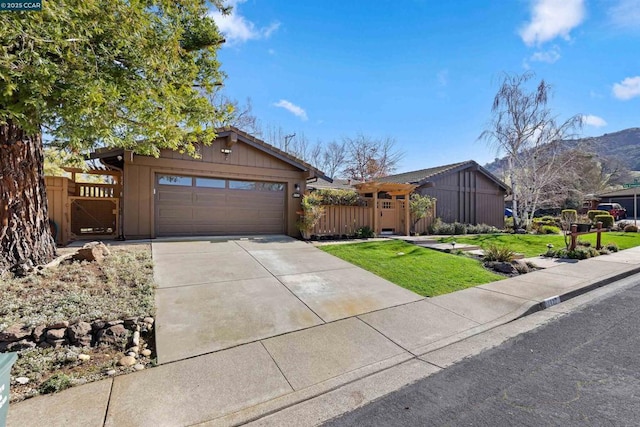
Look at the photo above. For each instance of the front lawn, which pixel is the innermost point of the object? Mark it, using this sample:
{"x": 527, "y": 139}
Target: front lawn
{"x": 423, "y": 271}
{"x": 535, "y": 244}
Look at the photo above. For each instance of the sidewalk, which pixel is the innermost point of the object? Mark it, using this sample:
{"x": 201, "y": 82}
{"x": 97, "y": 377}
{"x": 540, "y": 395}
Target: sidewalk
{"x": 386, "y": 348}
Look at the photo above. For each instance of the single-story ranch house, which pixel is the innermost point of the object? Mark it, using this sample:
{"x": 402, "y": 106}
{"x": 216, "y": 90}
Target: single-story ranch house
{"x": 238, "y": 185}
{"x": 466, "y": 192}
{"x": 624, "y": 197}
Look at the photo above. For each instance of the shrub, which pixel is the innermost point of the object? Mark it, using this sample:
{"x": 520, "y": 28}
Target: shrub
{"x": 459, "y": 228}
{"x": 312, "y": 212}
{"x": 611, "y": 247}
{"x": 549, "y": 229}
{"x": 365, "y": 232}
{"x": 593, "y": 213}
{"x": 336, "y": 197}
{"x": 630, "y": 229}
{"x": 498, "y": 253}
{"x": 55, "y": 383}
{"x": 508, "y": 223}
{"x": 482, "y": 229}
{"x": 606, "y": 220}
{"x": 583, "y": 243}
{"x": 581, "y": 252}
{"x": 569, "y": 216}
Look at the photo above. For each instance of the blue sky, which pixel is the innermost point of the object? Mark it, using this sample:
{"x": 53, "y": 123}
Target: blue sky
{"x": 425, "y": 72}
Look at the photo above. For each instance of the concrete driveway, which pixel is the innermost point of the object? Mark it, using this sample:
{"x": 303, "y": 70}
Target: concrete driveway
{"x": 216, "y": 293}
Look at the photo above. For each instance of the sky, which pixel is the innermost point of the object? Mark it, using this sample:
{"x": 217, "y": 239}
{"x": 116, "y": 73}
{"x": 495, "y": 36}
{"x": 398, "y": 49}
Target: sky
{"x": 425, "y": 72}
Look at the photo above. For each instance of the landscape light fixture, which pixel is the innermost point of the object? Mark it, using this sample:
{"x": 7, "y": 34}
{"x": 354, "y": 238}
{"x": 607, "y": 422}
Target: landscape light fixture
{"x": 453, "y": 244}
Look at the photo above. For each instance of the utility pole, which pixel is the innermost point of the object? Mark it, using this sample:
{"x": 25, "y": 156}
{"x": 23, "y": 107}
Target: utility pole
{"x": 286, "y": 141}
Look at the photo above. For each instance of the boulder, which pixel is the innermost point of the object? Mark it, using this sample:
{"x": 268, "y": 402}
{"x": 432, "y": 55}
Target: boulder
{"x": 79, "y": 330}
{"x": 56, "y": 334}
{"x": 15, "y": 333}
{"x": 115, "y": 334}
{"x": 93, "y": 251}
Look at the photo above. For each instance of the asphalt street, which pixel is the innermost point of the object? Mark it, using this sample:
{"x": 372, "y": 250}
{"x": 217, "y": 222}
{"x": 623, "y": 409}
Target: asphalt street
{"x": 581, "y": 369}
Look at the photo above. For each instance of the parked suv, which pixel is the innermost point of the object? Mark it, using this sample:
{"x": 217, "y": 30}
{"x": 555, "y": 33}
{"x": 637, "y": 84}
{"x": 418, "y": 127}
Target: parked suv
{"x": 614, "y": 209}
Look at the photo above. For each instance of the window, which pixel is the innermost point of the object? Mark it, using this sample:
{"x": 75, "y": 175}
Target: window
{"x": 269, "y": 186}
{"x": 242, "y": 185}
{"x": 184, "y": 181}
{"x": 210, "y": 182}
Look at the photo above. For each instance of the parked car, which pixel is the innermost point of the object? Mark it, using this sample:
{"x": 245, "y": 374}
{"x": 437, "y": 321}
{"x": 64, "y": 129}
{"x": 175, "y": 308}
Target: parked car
{"x": 614, "y": 209}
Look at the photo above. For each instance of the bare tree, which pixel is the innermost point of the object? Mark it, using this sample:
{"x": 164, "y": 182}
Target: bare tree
{"x": 368, "y": 158}
{"x": 524, "y": 128}
{"x": 236, "y": 115}
{"x": 334, "y": 155}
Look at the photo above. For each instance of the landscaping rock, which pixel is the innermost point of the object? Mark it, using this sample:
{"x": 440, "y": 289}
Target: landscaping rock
{"x": 130, "y": 323}
{"x": 135, "y": 349}
{"x": 93, "y": 251}
{"x": 79, "y": 330}
{"x": 113, "y": 323}
{"x": 146, "y": 352}
{"x": 111, "y": 372}
{"x": 84, "y": 341}
{"x": 57, "y": 343}
{"x": 96, "y": 325}
{"x": 503, "y": 267}
{"x": 112, "y": 335}
{"x": 135, "y": 339}
{"x": 521, "y": 266}
{"x": 138, "y": 366}
{"x": 15, "y": 333}
{"x": 84, "y": 357}
{"x": 58, "y": 325}
{"x": 22, "y": 380}
{"x": 127, "y": 361}
{"x": 56, "y": 334}
{"x": 39, "y": 333}
{"x": 20, "y": 345}
{"x": 148, "y": 320}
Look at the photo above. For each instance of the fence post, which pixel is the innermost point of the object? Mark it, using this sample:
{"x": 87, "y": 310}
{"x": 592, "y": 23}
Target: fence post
{"x": 599, "y": 238}
{"x": 574, "y": 230}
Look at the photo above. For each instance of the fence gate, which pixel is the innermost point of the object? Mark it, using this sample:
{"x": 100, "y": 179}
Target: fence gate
{"x": 94, "y": 216}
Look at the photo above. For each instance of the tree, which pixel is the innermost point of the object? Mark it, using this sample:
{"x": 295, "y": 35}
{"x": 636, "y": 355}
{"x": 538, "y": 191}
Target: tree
{"x": 523, "y": 127}
{"x": 333, "y": 158}
{"x": 91, "y": 73}
{"x": 232, "y": 113}
{"x": 421, "y": 207}
{"x": 368, "y": 158}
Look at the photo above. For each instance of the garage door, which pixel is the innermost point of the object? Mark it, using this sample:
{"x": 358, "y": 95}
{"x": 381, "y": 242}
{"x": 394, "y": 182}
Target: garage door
{"x": 188, "y": 205}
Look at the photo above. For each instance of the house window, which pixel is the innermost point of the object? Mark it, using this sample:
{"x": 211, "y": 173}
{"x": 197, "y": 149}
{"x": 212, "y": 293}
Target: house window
{"x": 184, "y": 181}
{"x": 210, "y": 183}
{"x": 269, "y": 186}
{"x": 242, "y": 185}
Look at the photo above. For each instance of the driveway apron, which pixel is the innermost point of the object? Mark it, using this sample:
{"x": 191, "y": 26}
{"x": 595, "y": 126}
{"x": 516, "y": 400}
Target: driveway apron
{"x": 217, "y": 293}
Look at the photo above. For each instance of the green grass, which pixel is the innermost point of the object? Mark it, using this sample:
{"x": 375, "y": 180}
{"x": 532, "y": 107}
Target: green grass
{"x": 423, "y": 271}
{"x": 533, "y": 245}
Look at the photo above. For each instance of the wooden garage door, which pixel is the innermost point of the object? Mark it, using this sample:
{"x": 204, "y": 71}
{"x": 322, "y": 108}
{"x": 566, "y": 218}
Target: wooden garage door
{"x": 187, "y": 205}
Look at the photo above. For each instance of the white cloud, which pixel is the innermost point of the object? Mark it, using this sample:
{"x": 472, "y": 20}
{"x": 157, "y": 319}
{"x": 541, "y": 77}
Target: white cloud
{"x": 292, "y": 108}
{"x": 625, "y": 14}
{"x": 627, "y": 89}
{"x": 595, "y": 121}
{"x": 551, "y": 19}
{"x": 550, "y": 56}
{"x": 238, "y": 29}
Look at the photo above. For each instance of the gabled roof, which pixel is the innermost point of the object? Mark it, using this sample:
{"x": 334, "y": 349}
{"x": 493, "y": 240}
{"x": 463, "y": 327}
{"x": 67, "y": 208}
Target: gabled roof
{"x": 106, "y": 153}
{"x": 271, "y": 150}
{"x": 423, "y": 176}
{"x": 336, "y": 184}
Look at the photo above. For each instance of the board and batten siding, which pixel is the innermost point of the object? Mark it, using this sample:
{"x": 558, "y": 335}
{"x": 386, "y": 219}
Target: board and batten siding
{"x": 467, "y": 196}
{"x": 244, "y": 163}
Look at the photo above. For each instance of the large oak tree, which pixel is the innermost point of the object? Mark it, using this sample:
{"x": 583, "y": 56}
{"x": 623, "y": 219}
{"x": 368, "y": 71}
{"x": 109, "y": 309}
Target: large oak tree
{"x": 135, "y": 74}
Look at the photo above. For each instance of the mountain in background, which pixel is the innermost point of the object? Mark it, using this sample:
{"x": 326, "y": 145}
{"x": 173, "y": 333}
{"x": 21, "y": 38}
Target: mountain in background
{"x": 623, "y": 146}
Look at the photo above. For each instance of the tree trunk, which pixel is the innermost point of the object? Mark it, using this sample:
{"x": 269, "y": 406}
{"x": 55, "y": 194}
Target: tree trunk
{"x": 514, "y": 195}
{"x": 25, "y": 236}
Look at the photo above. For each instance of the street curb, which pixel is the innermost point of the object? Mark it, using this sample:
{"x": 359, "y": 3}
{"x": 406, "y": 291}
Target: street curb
{"x": 551, "y": 301}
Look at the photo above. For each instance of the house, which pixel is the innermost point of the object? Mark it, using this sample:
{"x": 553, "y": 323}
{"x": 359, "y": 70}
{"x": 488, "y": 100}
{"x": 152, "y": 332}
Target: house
{"x": 624, "y": 197}
{"x": 466, "y": 192}
{"x": 238, "y": 185}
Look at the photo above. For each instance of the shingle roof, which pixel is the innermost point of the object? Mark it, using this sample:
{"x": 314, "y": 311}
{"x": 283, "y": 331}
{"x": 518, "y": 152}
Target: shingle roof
{"x": 625, "y": 192}
{"x": 274, "y": 151}
{"x": 422, "y": 174}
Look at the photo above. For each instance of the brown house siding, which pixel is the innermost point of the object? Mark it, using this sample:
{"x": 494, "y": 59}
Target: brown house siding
{"x": 244, "y": 163}
{"x": 467, "y": 196}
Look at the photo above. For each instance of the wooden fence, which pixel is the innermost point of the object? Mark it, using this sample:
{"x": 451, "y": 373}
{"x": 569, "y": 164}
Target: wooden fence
{"x": 345, "y": 220}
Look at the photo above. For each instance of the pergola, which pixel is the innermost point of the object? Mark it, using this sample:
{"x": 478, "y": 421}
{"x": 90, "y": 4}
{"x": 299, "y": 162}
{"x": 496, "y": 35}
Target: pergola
{"x": 392, "y": 189}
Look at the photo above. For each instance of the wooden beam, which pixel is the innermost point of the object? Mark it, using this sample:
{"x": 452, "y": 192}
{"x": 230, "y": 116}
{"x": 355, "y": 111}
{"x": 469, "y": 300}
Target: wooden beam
{"x": 407, "y": 228}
